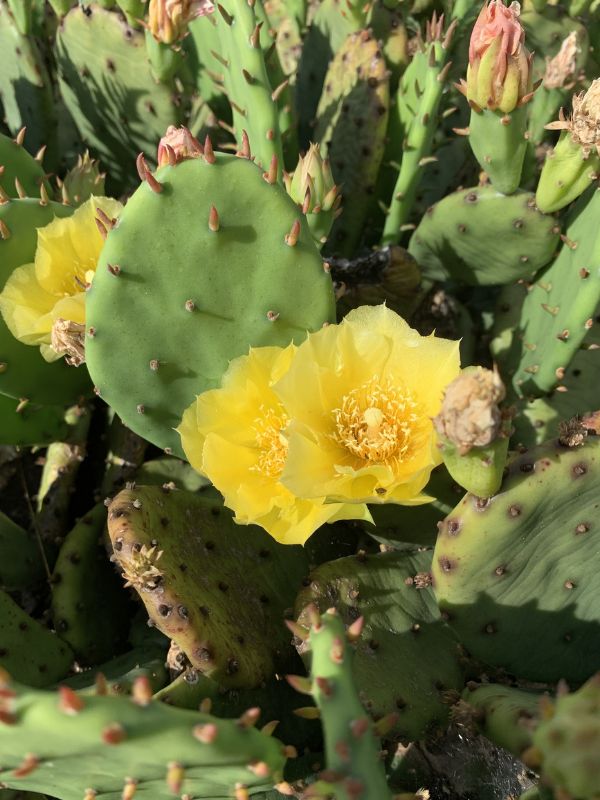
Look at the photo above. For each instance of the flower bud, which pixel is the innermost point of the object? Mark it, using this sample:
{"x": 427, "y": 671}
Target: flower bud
{"x": 176, "y": 145}
{"x": 84, "y": 180}
{"x": 499, "y": 73}
{"x": 168, "y": 19}
{"x": 312, "y": 175}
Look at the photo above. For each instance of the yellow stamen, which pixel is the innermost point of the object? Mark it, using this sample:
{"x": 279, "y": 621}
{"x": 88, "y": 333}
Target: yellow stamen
{"x": 270, "y": 441}
{"x": 378, "y": 422}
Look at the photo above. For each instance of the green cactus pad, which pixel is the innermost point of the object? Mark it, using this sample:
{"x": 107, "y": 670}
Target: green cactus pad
{"x": 28, "y": 648}
{"x": 30, "y": 425}
{"x": 118, "y": 107}
{"x": 202, "y": 296}
{"x": 559, "y": 309}
{"x": 520, "y": 568}
{"x": 499, "y": 144}
{"x": 112, "y": 745}
{"x": 88, "y": 604}
{"x": 120, "y": 673}
{"x": 407, "y": 658}
{"x": 219, "y": 590}
{"x": 351, "y": 126}
{"x": 21, "y": 564}
{"x": 24, "y": 373}
{"x": 16, "y": 162}
{"x": 453, "y": 238}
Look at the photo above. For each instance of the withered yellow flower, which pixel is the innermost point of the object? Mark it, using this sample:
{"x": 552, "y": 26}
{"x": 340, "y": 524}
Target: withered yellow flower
{"x": 361, "y": 397}
{"x": 52, "y": 289}
{"x": 235, "y": 435}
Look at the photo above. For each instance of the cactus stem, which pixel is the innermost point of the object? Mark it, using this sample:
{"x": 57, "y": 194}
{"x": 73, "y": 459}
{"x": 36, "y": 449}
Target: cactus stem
{"x": 213, "y": 220}
{"x": 271, "y": 175}
{"x": 255, "y": 36}
{"x": 20, "y": 137}
{"x": 226, "y": 16}
{"x": 20, "y": 190}
{"x": 209, "y": 153}
{"x": 206, "y": 733}
{"x": 291, "y": 238}
{"x": 276, "y": 93}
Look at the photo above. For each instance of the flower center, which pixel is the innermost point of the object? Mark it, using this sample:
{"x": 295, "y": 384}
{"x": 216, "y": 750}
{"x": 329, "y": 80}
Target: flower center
{"x": 377, "y": 422}
{"x": 271, "y": 442}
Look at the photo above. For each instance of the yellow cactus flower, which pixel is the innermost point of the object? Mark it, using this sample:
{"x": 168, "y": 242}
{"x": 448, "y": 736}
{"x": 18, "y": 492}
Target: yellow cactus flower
{"x": 361, "y": 397}
{"x": 42, "y": 298}
{"x": 235, "y": 436}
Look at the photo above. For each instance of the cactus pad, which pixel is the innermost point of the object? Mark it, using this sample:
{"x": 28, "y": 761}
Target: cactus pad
{"x": 219, "y": 590}
{"x": 201, "y": 295}
{"x": 519, "y": 569}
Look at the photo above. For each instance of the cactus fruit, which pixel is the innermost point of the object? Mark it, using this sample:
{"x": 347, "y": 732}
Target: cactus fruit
{"x": 107, "y": 746}
{"x": 312, "y": 188}
{"x": 452, "y": 240}
{"x": 39, "y": 656}
{"x": 83, "y": 180}
{"x": 217, "y": 589}
{"x": 88, "y": 605}
{"x": 519, "y": 567}
{"x": 249, "y": 275}
{"x": 559, "y": 309}
{"x": 407, "y": 659}
{"x": 354, "y": 767}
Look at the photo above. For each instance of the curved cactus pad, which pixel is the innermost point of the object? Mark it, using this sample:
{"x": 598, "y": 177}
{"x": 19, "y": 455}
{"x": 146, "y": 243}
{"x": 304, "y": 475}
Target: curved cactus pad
{"x": 218, "y": 589}
{"x": 517, "y": 575}
{"x": 196, "y": 287}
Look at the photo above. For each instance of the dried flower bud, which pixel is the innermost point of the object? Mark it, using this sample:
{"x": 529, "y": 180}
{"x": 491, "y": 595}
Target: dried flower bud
{"x": 560, "y": 70}
{"x": 69, "y": 338}
{"x": 584, "y": 124}
{"x": 180, "y": 143}
{"x": 168, "y": 19}
{"x": 499, "y": 73}
{"x": 470, "y": 416}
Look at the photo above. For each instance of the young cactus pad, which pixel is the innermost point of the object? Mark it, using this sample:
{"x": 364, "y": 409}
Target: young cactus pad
{"x": 219, "y": 590}
{"x": 108, "y": 747}
{"x": 521, "y": 567}
{"x": 219, "y": 260}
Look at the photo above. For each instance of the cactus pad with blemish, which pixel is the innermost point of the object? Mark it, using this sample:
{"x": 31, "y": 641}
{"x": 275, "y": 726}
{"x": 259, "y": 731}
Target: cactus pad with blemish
{"x": 517, "y": 574}
{"x": 204, "y": 271}
{"x": 218, "y": 589}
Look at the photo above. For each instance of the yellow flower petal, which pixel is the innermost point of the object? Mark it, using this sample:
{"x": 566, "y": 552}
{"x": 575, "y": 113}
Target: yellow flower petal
{"x": 36, "y": 295}
{"x": 235, "y": 436}
{"x": 361, "y": 396}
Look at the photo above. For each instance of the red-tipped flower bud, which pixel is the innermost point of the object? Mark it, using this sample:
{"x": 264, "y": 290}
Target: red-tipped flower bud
{"x": 168, "y": 19}
{"x": 499, "y": 73}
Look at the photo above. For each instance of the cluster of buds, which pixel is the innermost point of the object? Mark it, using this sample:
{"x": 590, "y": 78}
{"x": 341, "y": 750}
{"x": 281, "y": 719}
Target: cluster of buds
{"x": 168, "y": 19}
{"x": 500, "y": 66}
{"x": 176, "y": 145}
{"x": 584, "y": 123}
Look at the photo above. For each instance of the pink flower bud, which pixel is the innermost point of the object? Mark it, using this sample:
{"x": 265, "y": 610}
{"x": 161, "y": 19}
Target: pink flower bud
{"x": 176, "y": 145}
